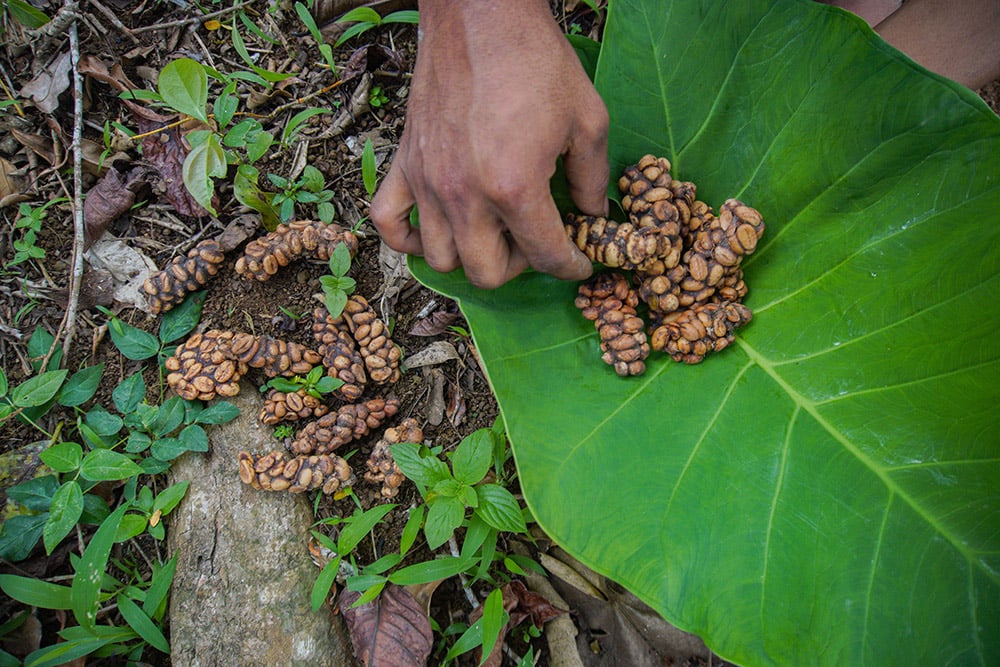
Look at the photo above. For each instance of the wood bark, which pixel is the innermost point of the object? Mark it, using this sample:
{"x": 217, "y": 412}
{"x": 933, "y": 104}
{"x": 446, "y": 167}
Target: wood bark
{"x": 241, "y": 594}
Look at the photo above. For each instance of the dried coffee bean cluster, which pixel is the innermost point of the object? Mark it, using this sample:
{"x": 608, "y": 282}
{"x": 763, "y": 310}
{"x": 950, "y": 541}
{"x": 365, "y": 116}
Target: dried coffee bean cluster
{"x": 610, "y": 303}
{"x": 372, "y": 335}
{"x": 278, "y": 471}
{"x": 212, "y": 363}
{"x": 204, "y": 367}
{"x": 338, "y": 428}
{"x": 280, "y": 406}
{"x": 264, "y": 257}
{"x": 685, "y": 264}
{"x": 167, "y": 288}
{"x": 382, "y": 467}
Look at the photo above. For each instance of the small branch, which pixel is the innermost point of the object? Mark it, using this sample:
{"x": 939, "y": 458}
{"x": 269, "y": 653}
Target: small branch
{"x": 76, "y": 275}
{"x": 190, "y": 21}
{"x": 110, "y": 16}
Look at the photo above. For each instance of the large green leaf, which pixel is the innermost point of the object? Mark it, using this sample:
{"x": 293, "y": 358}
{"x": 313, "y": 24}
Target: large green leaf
{"x": 827, "y": 490}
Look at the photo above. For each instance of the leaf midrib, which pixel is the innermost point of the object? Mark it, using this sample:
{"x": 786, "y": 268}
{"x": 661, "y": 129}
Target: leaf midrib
{"x": 882, "y": 473}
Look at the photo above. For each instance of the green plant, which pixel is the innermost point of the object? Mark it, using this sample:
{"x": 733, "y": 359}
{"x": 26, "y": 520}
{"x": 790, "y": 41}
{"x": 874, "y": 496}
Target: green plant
{"x": 316, "y": 383}
{"x": 819, "y": 492}
{"x": 366, "y": 18}
{"x": 450, "y": 492}
{"x": 309, "y": 189}
{"x": 377, "y": 97}
{"x": 309, "y": 22}
{"x": 337, "y": 286}
{"x": 30, "y": 220}
{"x": 93, "y": 447}
{"x": 25, "y": 14}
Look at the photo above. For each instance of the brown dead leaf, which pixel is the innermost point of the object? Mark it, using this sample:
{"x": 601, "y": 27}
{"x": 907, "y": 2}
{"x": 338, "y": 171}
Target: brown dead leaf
{"x": 10, "y": 184}
{"x": 456, "y": 407}
{"x": 435, "y": 324}
{"x": 390, "y": 631}
{"x": 36, "y": 143}
{"x": 111, "y": 197}
{"x": 165, "y": 149}
{"x": 44, "y": 89}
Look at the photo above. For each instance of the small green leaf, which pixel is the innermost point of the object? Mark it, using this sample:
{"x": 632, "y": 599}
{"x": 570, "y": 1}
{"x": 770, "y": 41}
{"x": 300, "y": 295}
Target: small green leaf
{"x": 103, "y": 422}
{"x": 167, "y": 449}
{"x": 499, "y": 508}
{"x": 142, "y": 624}
{"x": 368, "y": 174}
{"x": 183, "y": 85}
{"x": 62, "y": 456}
{"x": 432, "y": 570}
{"x": 86, "y": 588}
{"x": 411, "y": 529}
{"x": 3, "y": 383}
{"x": 473, "y": 456}
{"x": 26, "y": 14}
{"x": 35, "y": 494}
{"x": 134, "y": 343}
{"x": 225, "y": 105}
{"x": 107, "y": 465}
{"x": 359, "y": 525}
{"x": 169, "y": 416}
{"x": 158, "y": 589}
{"x": 312, "y": 179}
{"x": 130, "y": 526}
{"x": 39, "y": 344}
{"x": 204, "y": 162}
{"x": 403, "y": 16}
{"x": 427, "y": 470}
{"x": 361, "y": 14}
{"x": 129, "y": 393}
{"x": 81, "y": 386}
{"x": 335, "y": 301}
{"x": 35, "y": 592}
{"x": 19, "y": 534}
{"x": 182, "y": 319}
{"x": 194, "y": 438}
{"x": 67, "y": 506}
{"x": 340, "y": 260}
{"x": 444, "y": 515}
{"x": 218, "y": 413}
{"x": 493, "y": 621}
{"x": 167, "y": 499}
{"x": 38, "y": 390}
{"x": 354, "y": 31}
{"x": 298, "y": 119}
{"x": 324, "y": 582}
{"x": 137, "y": 442}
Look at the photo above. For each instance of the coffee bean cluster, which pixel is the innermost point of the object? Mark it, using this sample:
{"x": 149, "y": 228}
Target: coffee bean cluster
{"x": 347, "y": 423}
{"x": 684, "y": 263}
{"x": 381, "y": 467}
{"x": 279, "y": 471}
{"x": 264, "y": 257}
{"x": 167, "y": 288}
{"x": 282, "y": 406}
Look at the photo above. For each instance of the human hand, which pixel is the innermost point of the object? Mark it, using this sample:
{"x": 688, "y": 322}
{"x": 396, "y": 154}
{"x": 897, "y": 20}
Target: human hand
{"x": 498, "y": 95}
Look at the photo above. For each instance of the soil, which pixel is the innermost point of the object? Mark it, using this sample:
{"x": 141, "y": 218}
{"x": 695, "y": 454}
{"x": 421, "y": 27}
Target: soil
{"x": 35, "y": 148}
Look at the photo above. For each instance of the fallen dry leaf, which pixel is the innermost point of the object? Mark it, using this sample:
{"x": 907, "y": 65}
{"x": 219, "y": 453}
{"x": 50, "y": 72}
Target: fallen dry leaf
{"x": 44, "y": 89}
{"x": 390, "y": 631}
{"x": 10, "y": 184}
{"x": 36, "y": 143}
{"x": 436, "y": 353}
{"x": 435, "y": 324}
{"x": 111, "y": 197}
{"x": 166, "y": 151}
{"x": 127, "y": 266}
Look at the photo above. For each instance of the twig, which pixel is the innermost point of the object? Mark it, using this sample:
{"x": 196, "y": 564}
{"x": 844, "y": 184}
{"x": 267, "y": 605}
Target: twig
{"x": 189, "y": 21}
{"x": 110, "y": 15}
{"x": 453, "y": 546}
{"x": 76, "y": 276}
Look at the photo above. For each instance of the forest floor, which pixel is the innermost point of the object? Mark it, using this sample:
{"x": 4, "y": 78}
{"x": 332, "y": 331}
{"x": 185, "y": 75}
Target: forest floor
{"x": 127, "y": 43}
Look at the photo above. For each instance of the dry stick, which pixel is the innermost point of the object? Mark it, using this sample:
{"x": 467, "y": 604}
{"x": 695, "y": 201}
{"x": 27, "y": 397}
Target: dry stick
{"x": 73, "y": 298}
{"x": 189, "y": 21}
{"x": 110, "y": 15}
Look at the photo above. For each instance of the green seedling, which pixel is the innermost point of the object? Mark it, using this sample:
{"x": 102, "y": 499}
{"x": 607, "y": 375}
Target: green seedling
{"x": 377, "y": 97}
{"x": 337, "y": 286}
{"x": 366, "y": 18}
{"x": 316, "y": 383}
{"x": 309, "y": 189}
{"x": 29, "y": 222}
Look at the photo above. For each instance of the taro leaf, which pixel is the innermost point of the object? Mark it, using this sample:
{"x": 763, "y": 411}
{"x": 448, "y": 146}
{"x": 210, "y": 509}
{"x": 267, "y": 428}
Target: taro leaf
{"x": 824, "y": 491}
{"x": 391, "y": 630}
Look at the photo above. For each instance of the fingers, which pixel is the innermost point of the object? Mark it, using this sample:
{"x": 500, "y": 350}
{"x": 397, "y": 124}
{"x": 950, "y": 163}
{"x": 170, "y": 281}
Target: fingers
{"x": 487, "y": 253}
{"x": 586, "y": 161}
{"x": 538, "y": 232}
{"x": 390, "y": 213}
